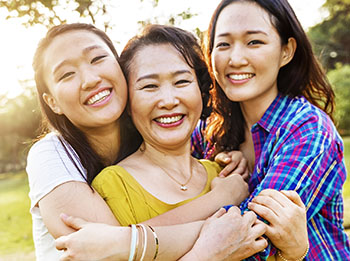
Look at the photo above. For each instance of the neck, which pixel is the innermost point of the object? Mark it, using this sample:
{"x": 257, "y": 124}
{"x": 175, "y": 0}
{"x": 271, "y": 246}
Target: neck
{"x": 169, "y": 159}
{"x": 253, "y": 110}
{"x": 105, "y": 141}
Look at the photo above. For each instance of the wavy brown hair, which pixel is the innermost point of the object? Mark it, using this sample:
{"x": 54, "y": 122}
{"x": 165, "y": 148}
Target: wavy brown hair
{"x": 303, "y": 75}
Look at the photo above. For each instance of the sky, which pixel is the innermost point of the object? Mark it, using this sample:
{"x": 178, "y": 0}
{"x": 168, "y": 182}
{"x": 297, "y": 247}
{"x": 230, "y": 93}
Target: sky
{"x": 18, "y": 43}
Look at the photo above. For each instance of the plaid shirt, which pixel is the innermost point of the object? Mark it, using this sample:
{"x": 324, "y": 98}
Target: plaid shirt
{"x": 298, "y": 148}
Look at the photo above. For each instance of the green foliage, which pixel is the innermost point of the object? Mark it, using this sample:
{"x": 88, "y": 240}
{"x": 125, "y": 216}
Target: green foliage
{"x": 340, "y": 80}
{"x": 331, "y": 38}
{"x": 15, "y": 219}
{"x": 19, "y": 121}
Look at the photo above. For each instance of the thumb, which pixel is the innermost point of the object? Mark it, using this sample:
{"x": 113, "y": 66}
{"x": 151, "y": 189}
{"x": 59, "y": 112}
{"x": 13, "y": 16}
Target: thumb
{"x": 61, "y": 243}
{"x": 73, "y": 222}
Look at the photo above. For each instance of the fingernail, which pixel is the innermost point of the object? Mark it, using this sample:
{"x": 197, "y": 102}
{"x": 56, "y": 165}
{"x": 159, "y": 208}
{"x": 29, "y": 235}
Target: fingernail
{"x": 64, "y": 216}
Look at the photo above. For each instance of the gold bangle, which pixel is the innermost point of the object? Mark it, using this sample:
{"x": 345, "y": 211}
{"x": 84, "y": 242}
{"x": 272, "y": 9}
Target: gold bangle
{"x": 156, "y": 242}
{"x": 299, "y": 259}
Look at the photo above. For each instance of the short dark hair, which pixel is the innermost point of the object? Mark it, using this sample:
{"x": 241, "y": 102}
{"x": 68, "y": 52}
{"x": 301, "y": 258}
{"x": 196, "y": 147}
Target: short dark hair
{"x": 184, "y": 42}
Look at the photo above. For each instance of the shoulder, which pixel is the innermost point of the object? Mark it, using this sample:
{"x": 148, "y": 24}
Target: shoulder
{"x": 110, "y": 176}
{"x": 211, "y": 166}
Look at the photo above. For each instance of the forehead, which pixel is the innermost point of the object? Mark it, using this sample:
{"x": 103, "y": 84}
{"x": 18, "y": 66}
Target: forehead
{"x": 70, "y": 45}
{"x": 243, "y": 16}
{"x": 157, "y": 59}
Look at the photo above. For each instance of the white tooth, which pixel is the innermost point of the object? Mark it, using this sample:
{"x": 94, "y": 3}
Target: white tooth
{"x": 98, "y": 96}
{"x": 240, "y": 76}
{"x": 168, "y": 120}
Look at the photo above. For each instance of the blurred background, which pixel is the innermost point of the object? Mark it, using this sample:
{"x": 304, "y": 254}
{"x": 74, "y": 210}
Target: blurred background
{"x": 23, "y": 23}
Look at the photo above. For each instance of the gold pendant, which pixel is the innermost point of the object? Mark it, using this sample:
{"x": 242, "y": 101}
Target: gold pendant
{"x": 183, "y": 188}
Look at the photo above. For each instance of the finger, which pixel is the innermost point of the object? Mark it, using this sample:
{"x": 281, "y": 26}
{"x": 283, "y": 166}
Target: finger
{"x": 65, "y": 257}
{"x": 223, "y": 158}
{"x": 246, "y": 175}
{"x": 260, "y": 244}
{"x": 227, "y": 170}
{"x": 264, "y": 212}
{"x": 270, "y": 203}
{"x": 219, "y": 213}
{"x": 234, "y": 210}
{"x": 258, "y": 230}
{"x": 249, "y": 217}
{"x": 277, "y": 196}
{"x": 293, "y": 196}
{"x": 73, "y": 222}
{"x": 61, "y": 243}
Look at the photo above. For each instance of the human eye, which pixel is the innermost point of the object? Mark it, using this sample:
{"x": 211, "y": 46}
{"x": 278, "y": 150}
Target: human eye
{"x": 222, "y": 45}
{"x": 182, "y": 83}
{"x": 97, "y": 58}
{"x": 148, "y": 87}
{"x": 255, "y": 42}
{"x": 65, "y": 76}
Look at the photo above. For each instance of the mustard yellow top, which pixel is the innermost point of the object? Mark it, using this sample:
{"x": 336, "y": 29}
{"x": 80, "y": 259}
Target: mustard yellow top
{"x": 130, "y": 202}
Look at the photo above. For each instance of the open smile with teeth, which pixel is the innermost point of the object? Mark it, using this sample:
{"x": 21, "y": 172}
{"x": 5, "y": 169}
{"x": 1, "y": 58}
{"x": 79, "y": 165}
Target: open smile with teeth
{"x": 169, "y": 120}
{"x": 99, "y": 97}
{"x": 240, "y": 77}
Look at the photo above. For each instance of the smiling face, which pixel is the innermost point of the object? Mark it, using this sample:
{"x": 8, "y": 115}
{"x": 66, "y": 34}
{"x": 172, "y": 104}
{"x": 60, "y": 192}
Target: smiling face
{"x": 165, "y": 99}
{"x": 84, "y": 78}
{"x": 247, "y": 54}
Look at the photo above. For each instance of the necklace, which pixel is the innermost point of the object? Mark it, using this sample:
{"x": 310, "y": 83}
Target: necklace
{"x": 183, "y": 186}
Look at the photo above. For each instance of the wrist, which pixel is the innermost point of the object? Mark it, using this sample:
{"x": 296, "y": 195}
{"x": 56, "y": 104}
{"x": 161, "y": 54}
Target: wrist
{"x": 292, "y": 257}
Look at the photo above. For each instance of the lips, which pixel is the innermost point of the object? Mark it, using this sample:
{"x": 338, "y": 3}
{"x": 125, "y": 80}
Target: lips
{"x": 98, "y": 97}
{"x": 240, "y": 76}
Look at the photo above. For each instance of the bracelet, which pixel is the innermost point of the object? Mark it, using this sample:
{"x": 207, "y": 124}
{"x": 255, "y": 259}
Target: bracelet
{"x": 144, "y": 233}
{"x": 156, "y": 242}
{"x": 299, "y": 259}
{"x": 133, "y": 242}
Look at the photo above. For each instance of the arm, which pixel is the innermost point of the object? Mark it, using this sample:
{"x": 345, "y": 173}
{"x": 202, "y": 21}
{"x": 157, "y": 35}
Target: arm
{"x": 114, "y": 242}
{"x": 310, "y": 164}
{"x": 225, "y": 191}
{"x": 56, "y": 186}
{"x": 223, "y": 236}
{"x": 73, "y": 198}
{"x": 286, "y": 215}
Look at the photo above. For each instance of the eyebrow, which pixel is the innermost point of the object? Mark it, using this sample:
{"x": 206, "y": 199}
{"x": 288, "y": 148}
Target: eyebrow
{"x": 85, "y": 51}
{"x": 247, "y": 32}
{"x": 155, "y": 76}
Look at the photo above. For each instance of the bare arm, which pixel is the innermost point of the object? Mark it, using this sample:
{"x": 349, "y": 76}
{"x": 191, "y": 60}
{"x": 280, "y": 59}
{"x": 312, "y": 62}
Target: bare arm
{"x": 95, "y": 241}
{"x": 74, "y": 198}
{"x": 225, "y": 191}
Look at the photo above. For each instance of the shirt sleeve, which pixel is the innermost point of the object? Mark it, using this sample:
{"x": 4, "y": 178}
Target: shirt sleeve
{"x": 114, "y": 190}
{"x": 311, "y": 165}
{"x": 201, "y": 148}
{"x": 49, "y": 165}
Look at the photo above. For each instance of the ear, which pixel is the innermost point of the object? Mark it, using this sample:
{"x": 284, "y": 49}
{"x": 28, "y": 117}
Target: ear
{"x": 51, "y": 102}
{"x": 288, "y": 51}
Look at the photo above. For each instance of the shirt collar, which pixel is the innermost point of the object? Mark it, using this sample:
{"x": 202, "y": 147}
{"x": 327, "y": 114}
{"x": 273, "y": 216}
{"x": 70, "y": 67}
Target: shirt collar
{"x": 274, "y": 112}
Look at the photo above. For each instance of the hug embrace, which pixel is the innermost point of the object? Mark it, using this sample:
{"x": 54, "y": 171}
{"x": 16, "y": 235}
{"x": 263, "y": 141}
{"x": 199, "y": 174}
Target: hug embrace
{"x": 253, "y": 108}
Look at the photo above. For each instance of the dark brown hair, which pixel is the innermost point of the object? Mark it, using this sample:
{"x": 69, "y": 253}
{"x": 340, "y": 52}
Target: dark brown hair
{"x": 303, "y": 75}
{"x": 184, "y": 42}
{"x": 76, "y": 138}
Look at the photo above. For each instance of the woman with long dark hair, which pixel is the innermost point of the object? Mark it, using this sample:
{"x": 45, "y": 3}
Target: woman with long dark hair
{"x": 272, "y": 101}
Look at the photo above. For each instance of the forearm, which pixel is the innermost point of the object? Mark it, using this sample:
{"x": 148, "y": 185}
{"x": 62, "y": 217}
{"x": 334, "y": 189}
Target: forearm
{"x": 190, "y": 212}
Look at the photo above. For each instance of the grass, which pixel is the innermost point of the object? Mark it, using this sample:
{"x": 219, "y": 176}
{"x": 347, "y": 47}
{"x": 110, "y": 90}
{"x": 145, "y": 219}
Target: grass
{"x": 15, "y": 219}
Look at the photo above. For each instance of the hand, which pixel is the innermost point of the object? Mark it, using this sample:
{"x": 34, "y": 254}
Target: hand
{"x": 231, "y": 189}
{"x": 92, "y": 241}
{"x": 286, "y": 214}
{"x": 228, "y": 236}
{"x": 234, "y": 162}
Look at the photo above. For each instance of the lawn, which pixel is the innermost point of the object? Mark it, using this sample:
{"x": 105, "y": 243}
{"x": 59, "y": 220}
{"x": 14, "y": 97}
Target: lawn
{"x": 15, "y": 222}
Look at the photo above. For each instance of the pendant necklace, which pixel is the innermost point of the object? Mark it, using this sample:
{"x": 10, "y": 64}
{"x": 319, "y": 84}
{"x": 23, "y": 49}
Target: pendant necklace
{"x": 183, "y": 186}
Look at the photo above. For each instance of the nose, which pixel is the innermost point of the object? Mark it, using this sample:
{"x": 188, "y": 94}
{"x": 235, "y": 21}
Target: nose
{"x": 168, "y": 97}
{"x": 90, "y": 79}
{"x": 238, "y": 56}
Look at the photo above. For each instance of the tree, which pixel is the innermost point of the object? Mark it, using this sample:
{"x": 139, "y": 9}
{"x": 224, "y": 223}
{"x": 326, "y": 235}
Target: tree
{"x": 340, "y": 79}
{"x": 331, "y": 38}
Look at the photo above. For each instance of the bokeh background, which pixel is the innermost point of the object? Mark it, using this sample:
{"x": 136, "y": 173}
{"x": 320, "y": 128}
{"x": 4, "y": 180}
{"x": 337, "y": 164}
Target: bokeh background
{"x": 24, "y": 22}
